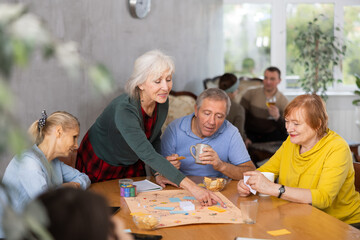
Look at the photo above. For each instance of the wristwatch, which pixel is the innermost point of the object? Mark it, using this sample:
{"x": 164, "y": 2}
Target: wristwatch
{"x": 281, "y": 190}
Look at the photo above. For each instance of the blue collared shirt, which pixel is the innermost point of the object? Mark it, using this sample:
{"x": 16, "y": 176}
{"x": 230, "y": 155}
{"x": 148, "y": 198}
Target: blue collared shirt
{"x": 30, "y": 174}
{"x": 226, "y": 141}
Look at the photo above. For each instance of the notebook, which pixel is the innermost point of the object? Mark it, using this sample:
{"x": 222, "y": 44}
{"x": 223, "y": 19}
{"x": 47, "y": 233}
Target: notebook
{"x": 146, "y": 186}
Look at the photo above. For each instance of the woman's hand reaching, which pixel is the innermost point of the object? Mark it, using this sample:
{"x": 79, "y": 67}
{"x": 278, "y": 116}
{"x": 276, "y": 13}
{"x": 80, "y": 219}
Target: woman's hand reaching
{"x": 162, "y": 181}
{"x": 204, "y": 196}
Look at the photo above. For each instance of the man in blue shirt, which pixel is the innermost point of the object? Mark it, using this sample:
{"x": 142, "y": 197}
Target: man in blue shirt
{"x": 227, "y": 156}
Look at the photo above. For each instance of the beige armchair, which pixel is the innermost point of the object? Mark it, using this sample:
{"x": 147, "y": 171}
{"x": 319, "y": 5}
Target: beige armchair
{"x": 180, "y": 104}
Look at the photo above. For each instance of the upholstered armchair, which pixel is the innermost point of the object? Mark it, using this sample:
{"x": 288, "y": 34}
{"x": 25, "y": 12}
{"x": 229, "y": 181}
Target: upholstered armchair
{"x": 180, "y": 104}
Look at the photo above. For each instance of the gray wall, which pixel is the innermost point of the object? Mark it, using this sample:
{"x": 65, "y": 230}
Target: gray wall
{"x": 188, "y": 30}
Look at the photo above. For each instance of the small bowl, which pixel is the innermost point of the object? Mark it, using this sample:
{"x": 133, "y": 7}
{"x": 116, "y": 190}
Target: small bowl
{"x": 214, "y": 184}
{"x": 146, "y": 222}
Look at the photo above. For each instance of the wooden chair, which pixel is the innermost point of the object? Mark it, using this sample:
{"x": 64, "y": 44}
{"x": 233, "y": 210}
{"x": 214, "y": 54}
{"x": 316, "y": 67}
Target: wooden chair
{"x": 357, "y": 176}
{"x": 354, "y": 147}
{"x": 180, "y": 104}
{"x": 261, "y": 151}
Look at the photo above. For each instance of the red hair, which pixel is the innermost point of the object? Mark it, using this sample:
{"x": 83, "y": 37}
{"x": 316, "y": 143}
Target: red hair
{"x": 315, "y": 111}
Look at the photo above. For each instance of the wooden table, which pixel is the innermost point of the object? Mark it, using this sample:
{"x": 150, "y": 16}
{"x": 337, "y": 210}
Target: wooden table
{"x": 302, "y": 220}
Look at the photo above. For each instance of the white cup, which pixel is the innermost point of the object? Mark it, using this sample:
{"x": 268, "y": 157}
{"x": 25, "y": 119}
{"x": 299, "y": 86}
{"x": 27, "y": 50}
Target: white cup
{"x": 198, "y": 150}
{"x": 271, "y": 177}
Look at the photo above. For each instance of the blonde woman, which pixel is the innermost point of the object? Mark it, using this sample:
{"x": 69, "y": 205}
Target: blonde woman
{"x": 38, "y": 168}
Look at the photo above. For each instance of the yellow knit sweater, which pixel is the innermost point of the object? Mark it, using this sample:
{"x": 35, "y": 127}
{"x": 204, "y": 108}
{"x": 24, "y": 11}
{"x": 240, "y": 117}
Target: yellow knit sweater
{"x": 327, "y": 170}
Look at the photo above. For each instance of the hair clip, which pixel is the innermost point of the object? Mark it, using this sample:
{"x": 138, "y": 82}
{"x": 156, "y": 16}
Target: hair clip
{"x": 42, "y": 120}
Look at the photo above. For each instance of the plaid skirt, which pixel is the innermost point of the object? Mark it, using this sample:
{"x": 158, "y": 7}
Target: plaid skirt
{"x": 98, "y": 170}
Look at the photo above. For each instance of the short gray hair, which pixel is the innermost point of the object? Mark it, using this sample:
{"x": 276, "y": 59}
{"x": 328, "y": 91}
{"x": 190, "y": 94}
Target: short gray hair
{"x": 215, "y": 94}
{"x": 153, "y": 62}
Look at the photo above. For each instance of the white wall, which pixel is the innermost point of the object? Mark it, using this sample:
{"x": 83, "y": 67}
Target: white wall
{"x": 188, "y": 30}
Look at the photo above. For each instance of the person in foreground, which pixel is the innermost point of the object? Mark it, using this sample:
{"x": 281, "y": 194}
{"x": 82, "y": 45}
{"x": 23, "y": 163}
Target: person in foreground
{"x": 227, "y": 155}
{"x": 72, "y": 214}
{"x": 38, "y": 169}
{"x": 127, "y": 134}
{"x": 229, "y": 83}
{"x": 314, "y": 165}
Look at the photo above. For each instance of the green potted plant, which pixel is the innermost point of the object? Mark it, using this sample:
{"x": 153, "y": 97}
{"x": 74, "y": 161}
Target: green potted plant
{"x": 319, "y": 52}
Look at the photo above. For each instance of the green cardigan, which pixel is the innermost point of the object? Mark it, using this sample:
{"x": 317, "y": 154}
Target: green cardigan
{"x": 118, "y": 137}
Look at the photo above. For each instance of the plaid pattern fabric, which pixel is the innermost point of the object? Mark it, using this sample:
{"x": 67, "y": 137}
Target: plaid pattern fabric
{"x": 98, "y": 170}
{"x": 149, "y": 122}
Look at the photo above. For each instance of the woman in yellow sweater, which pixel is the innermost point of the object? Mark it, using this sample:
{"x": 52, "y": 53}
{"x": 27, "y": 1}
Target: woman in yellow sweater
{"x": 314, "y": 165}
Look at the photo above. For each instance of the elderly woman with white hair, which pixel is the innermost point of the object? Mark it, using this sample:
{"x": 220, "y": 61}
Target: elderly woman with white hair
{"x": 126, "y": 136}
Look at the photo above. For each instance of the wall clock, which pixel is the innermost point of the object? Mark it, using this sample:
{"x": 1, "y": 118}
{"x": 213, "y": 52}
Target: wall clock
{"x": 139, "y": 8}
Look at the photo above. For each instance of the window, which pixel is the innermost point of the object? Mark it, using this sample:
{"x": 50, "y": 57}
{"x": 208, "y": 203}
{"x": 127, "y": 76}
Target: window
{"x": 351, "y": 63}
{"x": 264, "y": 30}
{"x": 297, "y": 18}
{"x": 247, "y": 38}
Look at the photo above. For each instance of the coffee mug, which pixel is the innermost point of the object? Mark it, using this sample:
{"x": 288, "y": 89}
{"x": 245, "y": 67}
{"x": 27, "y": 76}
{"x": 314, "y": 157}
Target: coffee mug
{"x": 198, "y": 150}
{"x": 271, "y": 177}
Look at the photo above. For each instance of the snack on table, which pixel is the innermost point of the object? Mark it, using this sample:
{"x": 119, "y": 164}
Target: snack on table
{"x": 214, "y": 184}
{"x": 146, "y": 222}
